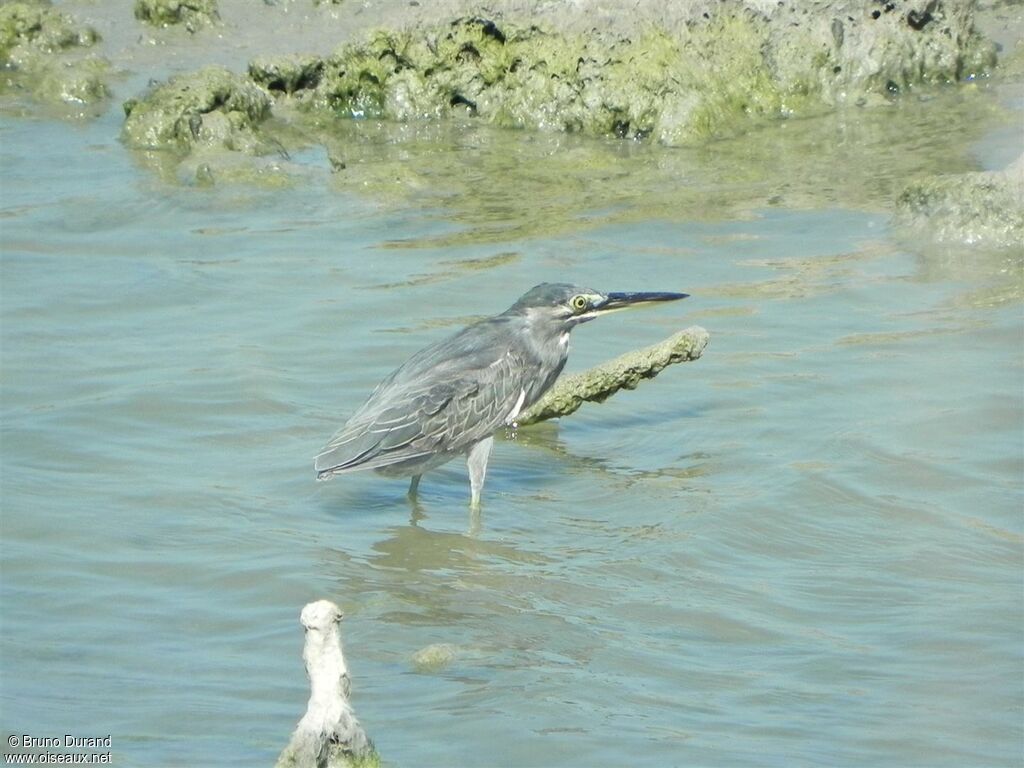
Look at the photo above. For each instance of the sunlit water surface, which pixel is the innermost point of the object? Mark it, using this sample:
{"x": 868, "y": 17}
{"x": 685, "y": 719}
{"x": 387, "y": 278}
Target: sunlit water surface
{"x": 804, "y": 549}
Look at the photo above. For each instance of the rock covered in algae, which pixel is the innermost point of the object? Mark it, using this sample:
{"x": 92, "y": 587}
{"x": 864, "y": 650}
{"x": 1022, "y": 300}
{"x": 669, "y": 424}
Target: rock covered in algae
{"x": 984, "y": 208}
{"x": 80, "y": 81}
{"x": 624, "y": 372}
{"x": 434, "y": 658}
{"x": 212, "y": 107}
{"x": 686, "y": 76}
{"x": 193, "y": 14}
{"x": 711, "y": 77}
{"x": 45, "y": 54}
{"x": 870, "y": 51}
{"x": 28, "y": 26}
{"x": 328, "y": 735}
{"x": 286, "y": 74}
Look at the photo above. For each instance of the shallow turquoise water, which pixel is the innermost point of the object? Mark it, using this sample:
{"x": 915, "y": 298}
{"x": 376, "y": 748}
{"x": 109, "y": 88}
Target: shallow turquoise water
{"x": 804, "y": 549}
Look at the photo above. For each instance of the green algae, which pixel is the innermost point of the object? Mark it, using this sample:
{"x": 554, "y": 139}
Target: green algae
{"x": 762, "y": 105}
{"x": 731, "y": 83}
{"x": 339, "y": 759}
{"x": 511, "y": 78}
{"x": 985, "y": 208}
{"x": 1011, "y": 65}
{"x": 850, "y": 157}
{"x": 73, "y": 86}
{"x": 82, "y": 81}
{"x": 434, "y": 658}
{"x": 207, "y": 128}
{"x": 209, "y": 108}
{"x": 36, "y": 27}
{"x": 192, "y": 14}
{"x": 45, "y": 55}
{"x": 285, "y": 75}
{"x": 711, "y": 79}
{"x": 336, "y": 757}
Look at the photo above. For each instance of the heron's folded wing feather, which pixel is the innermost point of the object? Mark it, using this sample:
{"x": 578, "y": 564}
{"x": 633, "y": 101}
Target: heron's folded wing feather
{"x": 406, "y": 421}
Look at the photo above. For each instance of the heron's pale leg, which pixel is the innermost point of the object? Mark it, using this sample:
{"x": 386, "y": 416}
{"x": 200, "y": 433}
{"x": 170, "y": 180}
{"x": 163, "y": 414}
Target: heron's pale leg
{"x": 477, "y": 463}
{"x": 414, "y": 486}
{"x": 474, "y": 522}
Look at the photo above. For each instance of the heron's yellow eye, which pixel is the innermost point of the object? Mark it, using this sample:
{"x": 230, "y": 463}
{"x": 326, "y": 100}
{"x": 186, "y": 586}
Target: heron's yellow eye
{"x": 579, "y": 303}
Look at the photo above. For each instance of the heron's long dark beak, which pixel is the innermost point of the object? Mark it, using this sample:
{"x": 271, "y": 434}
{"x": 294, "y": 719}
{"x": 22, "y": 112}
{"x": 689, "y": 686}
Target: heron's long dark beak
{"x": 624, "y": 300}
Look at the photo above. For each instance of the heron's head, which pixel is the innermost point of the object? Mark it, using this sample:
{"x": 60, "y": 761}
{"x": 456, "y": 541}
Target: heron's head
{"x": 565, "y": 306}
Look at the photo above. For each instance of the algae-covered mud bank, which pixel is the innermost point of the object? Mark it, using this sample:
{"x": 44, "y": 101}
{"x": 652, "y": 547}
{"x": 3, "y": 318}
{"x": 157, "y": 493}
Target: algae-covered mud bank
{"x": 211, "y": 107}
{"x": 47, "y": 56}
{"x": 882, "y": 75}
{"x": 272, "y": 95}
{"x": 192, "y": 14}
{"x": 972, "y": 208}
{"x": 714, "y": 75}
{"x": 710, "y": 77}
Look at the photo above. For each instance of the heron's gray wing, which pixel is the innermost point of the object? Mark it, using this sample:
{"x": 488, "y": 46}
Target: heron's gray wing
{"x": 443, "y": 410}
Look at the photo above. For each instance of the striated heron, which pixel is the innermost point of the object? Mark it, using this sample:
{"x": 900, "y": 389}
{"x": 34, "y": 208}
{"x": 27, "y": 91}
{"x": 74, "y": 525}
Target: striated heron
{"x": 451, "y": 397}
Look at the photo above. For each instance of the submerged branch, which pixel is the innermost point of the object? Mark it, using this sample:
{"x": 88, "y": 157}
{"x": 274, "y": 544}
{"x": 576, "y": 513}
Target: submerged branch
{"x": 624, "y": 372}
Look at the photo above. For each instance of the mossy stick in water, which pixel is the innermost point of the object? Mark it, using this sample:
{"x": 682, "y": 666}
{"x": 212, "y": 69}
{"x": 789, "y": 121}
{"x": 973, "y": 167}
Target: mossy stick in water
{"x": 624, "y": 372}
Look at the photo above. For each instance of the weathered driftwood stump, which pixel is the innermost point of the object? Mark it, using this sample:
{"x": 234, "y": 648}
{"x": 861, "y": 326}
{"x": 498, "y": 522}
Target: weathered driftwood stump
{"x": 328, "y": 735}
{"x": 624, "y": 372}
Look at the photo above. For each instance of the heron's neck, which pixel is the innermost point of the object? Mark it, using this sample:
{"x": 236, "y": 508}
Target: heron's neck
{"x": 549, "y": 344}
{"x": 540, "y": 325}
